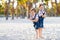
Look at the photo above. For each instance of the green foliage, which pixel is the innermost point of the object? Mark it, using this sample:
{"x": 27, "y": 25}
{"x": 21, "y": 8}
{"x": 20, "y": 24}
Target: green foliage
{"x": 0, "y": 6}
{"x": 2, "y": 13}
{"x": 46, "y": 0}
{"x": 18, "y": 0}
{"x": 1, "y": 10}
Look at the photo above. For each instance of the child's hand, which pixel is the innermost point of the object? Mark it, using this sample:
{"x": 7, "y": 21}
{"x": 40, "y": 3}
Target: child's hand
{"x": 43, "y": 16}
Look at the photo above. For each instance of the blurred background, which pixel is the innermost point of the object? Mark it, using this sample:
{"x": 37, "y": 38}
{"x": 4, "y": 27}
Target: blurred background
{"x": 22, "y": 29}
{"x": 21, "y": 8}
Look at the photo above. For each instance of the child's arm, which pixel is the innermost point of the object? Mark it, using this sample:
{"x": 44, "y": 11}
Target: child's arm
{"x": 44, "y": 15}
{"x": 35, "y": 20}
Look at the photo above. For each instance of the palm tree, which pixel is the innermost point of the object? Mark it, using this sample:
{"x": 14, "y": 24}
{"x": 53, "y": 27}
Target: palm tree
{"x": 35, "y": 1}
{"x": 46, "y": 2}
{"x": 12, "y": 10}
{"x": 42, "y": 0}
{"x": 0, "y": 7}
{"x": 6, "y": 10}
{"x": 21, "y": 3}
{"x": 29, "y": 5}
{"x": 56, "y": 7}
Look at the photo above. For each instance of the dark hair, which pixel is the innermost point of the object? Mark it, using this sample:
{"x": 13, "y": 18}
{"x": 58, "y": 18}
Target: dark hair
{"x": 33, "y": 9}
{"x": 40, "y": 5}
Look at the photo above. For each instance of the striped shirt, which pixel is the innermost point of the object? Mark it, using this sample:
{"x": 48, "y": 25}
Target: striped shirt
{"x": 31, "y": 17}
{"x": 40, "y": 13}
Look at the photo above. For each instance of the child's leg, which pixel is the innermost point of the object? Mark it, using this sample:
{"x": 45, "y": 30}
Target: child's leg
{"x": 37, "y": 33}
{"x": 40, "y": 32}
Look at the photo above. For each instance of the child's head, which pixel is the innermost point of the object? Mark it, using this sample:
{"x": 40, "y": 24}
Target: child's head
{"x": 33, "y": 11}
{"x": 41, "y": 6}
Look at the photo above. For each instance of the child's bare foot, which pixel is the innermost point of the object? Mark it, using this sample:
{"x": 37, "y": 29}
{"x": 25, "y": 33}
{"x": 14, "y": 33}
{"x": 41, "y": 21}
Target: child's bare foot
{"x": 42, "y": 37}
{"x": 37, "y": 37}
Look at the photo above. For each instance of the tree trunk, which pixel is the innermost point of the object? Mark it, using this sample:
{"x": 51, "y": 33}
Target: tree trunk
{"x": 42, "y": 0}
{"x": 56, "y": 7}
{"x": 13, "y": 10}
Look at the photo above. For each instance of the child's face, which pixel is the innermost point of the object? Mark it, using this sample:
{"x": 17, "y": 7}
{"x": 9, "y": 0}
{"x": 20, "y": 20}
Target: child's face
{"x": 32, "y": 12}
{"x": 41, "y": 7}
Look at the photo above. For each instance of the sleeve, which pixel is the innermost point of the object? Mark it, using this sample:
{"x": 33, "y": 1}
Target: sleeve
{"x": 37, "y": 16}
{"x": 43, "y": 11}
{"x": 40, "y": 13}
